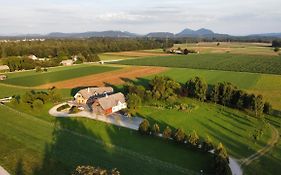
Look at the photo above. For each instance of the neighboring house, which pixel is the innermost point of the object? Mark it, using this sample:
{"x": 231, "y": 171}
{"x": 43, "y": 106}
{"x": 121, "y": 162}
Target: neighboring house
{"x": 33, "y": 57}
{"x": 4, "y": 68}
{"x": 87, "y": 95}
{"x": 109, "y": 104}
{"x": 67, "y": 62}
{"x": 3, "y": 77}
{"x": 178, "y": 52}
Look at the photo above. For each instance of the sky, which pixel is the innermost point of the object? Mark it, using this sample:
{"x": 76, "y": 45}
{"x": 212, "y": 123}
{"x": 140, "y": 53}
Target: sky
{"x": 236, "y": 17}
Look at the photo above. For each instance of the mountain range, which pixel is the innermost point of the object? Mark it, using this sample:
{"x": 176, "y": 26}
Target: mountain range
{"x": 200, "y": 33}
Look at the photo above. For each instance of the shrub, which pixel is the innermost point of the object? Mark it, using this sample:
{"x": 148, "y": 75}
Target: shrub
{"x": 90, "y": 170}
{"x": 37, "y": 104}
{"x": 65, "y": 106}
{"x": 276, "y": 49}
{"x": 155, "y": 129}
{"x": 179, "y": 136}
{"x": 74, "y": 110}
{"x": 144, "y": 127}
{"x": 38, "y": 69}
{"x": 207, "y": 144}
{"x": 193, "y": 139}
{"x": 167, "y": 132}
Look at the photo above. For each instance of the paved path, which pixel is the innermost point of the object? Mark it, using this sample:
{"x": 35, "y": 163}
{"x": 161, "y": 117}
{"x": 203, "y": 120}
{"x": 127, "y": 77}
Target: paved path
{"x": 3, "y": 171}
{"x": 274, "y": 139}
{"x": 115, "y": 119}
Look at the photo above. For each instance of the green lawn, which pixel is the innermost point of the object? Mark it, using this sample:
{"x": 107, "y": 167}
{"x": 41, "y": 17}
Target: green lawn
{"x": 266, "y": 84}
{"x": 32, "y": 78}
{"x": 223, "y": 61}
{"x": 44, "y": 145}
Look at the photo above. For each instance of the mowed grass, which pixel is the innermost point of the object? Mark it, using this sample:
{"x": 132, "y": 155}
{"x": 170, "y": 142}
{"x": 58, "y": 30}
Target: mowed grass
{"x": 32, "y": 78}
{"x": 231, "y": 127}
{"x": 45, "y": 145}
{"x": 266, "y": 84}
{"x": 225, "y": 61}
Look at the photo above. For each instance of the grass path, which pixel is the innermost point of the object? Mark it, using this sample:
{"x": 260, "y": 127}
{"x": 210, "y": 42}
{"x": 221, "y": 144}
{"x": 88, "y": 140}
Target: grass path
{"x": 274, "y": 139}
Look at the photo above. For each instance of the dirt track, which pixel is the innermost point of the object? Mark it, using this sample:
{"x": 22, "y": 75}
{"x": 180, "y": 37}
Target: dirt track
{"x": 114, "y": 77}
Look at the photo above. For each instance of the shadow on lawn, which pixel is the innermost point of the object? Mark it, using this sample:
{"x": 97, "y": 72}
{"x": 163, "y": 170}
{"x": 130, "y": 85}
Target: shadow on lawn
{"x": 75, "y": 144}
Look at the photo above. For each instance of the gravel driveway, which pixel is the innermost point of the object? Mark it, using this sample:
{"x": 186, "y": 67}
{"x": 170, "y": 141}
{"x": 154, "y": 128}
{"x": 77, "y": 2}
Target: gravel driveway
{"x": 115, "y": 119}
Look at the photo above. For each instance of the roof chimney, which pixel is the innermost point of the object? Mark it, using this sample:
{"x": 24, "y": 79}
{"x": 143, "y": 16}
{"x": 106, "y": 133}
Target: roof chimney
{"x": 88, "y": 89}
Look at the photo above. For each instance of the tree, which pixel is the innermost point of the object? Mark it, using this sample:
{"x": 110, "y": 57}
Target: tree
{"x": 90, "y": 170}
{"x": 267, "y": 108}
{"x": 221, "y": 161}
{"x": 258, "y": 105}
{"x": 144, "y": 127}
{"x": 197, "y": 88}
{"x": 38, "y": 69}
{"x": 167, "y": 132}
{"x": 37, "y": 104}
{"x": 276, "y": 43}
{"x": 193, "y": 138}
{"x": 207, "y": 144}
{"x": 133, "y": 101}
{"x": 185, "y": 51}
{"x": 179, "y": 136}
{"x": 276, "y": 49}
{"x": 214, "y": 95}
{"x": 155, "y": 129}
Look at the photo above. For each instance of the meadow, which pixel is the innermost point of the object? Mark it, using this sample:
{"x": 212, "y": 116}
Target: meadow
{"x": 41, "y": 144}
{"x": 214, "y": 61}
{"x": 33, "y": 78}
{"x": 266, "y": 84}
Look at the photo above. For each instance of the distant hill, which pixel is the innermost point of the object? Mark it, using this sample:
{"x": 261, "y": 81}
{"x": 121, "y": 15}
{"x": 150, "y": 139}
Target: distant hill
{"x": 109, "y": 33}
{"x": 160, "y": 35}
{"x": 202, "y": 33}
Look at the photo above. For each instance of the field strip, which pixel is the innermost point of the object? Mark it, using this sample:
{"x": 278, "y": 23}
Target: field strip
{"x": 116, "y": 77}
{"x": 152, "y": 161}
{"x": 274, "y": 139}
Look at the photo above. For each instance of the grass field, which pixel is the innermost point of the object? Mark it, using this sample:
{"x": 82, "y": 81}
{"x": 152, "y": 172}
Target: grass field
{"x": 266, "y": 84}
{"x": 229, "y": 62}
{"x": 32, "y": 78}
{"x": 231, "y": 47}
{"x": 44, "y": 145}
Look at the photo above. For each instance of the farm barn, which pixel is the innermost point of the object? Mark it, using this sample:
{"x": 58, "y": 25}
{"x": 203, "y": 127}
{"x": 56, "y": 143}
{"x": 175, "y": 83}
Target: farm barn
{"x": 87, "y": 95}
{"x": 110, "y": 104}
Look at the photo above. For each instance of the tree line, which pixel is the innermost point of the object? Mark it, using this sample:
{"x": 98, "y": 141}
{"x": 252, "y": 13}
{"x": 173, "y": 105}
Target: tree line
{"x": 67, "y": 48}
{"x": 224, "y": 93}
{"x": 221, "y": 158}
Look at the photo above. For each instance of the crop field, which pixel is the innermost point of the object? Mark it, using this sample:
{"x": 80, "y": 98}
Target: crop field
{"x": 266, "y": 84}
{"x": 229, "y": 62}
{"x": 108, "y": 78}
{"x": 44, "y": 145}
{"x": 32, "y": 78}
{"x": 230, "y": 47}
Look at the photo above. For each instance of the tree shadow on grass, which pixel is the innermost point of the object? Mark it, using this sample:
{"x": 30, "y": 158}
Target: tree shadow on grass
{"x": 87, "y": 142}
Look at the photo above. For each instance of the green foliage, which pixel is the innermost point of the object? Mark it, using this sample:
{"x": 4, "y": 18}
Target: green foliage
{"x": 267, "y": 108}
{"x": 197, "y": 88}
{"x": 90, "y": 170}
{"x": 221, "y": 161}
{"x": 73, "y": 110}
{"x": 258, "y": 105}
{"x": 133, "y": 101}
{"x": 144, "y": 127}
{"x": 65, "y": 106}
{"x": 276, "y": 49}
{"x": 37, "y": 104}
{"x": 179, "y": 136}
{"x": 207, "y": 144}
{"x": 276, "y": 43}
{"x": 155, "y": 129}
{"x": 38, "y": 69}
{"x": 167, "y": 133}
{"x": 193, "y": 138}
{"x": 16, "y": 63}
{"x": 163, "y": 87}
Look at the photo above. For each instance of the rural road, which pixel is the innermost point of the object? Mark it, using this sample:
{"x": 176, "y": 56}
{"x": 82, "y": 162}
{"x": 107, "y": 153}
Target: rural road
{"x": 3, "y": 171}
{"x": 115, "y": 119}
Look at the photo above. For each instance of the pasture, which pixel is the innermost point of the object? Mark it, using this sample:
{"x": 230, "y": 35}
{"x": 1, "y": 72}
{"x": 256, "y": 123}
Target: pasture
{"x": 230, "y": 47}
{"x": 40, "y": 144}
{"x": 32, "y": 78}
{"x": 226, "y": 61}
{"x": 266, "y": 84}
